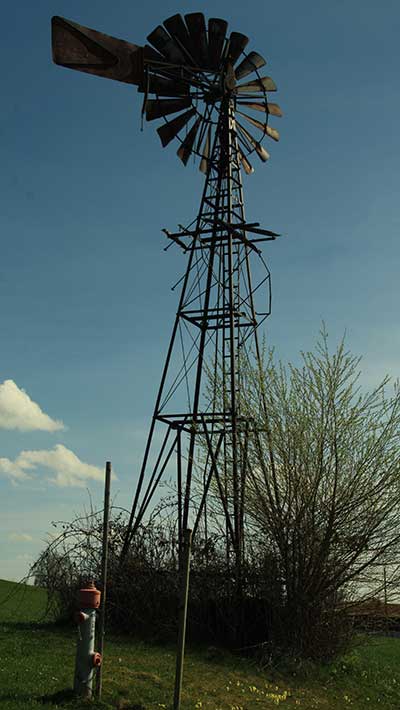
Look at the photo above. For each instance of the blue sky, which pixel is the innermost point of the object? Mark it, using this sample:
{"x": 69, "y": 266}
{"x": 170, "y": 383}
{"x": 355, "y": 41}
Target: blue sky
{"x": 86, "y": 305}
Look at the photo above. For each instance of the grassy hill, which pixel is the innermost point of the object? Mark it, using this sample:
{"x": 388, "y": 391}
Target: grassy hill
{"x": 37, "y": 666}
{"x": 21, "y": 603}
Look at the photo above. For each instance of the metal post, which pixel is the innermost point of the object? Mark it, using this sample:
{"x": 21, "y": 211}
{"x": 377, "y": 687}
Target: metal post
{"x": 104, "y": 561}
{"x": 385, "y": 590}
{"x": 184, "y": 593}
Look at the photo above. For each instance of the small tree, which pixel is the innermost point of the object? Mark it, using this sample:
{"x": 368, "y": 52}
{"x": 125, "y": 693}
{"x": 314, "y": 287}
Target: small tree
{"x": 322, "y": 517}
{"x": 324, "y": 487}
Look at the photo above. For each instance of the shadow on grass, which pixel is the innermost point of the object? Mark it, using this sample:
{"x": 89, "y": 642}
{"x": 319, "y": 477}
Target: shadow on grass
{"x": 67, "y": 699}
{"x": 64, "y": 698}
{"x": 17, "y": 697}
{"x": 60, "y": 698}
{"x": 30, "y": 626}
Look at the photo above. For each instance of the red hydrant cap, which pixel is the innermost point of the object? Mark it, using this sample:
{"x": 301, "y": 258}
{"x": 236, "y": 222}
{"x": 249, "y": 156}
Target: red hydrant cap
{"x": 96, "y": 659}
{"x": 89, "y": 598}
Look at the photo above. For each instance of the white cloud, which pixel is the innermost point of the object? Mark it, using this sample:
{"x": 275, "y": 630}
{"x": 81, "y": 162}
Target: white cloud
{"x": 11, "y": 470}
{"x": 19, "y": 411}
{"x": 65, "y": 468}
{"x": 20, "y": 537}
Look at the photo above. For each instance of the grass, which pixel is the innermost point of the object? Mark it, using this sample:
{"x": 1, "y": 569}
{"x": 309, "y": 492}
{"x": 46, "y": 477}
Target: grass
{"x": 37, "y": 666}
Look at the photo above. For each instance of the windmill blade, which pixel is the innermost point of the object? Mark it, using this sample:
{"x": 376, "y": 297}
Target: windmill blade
{"x": 260, "y": 150}
{"x": 273, "y": 109}
{"x": 163, "y": 43}
{"x": 164, "y": 87}
{"x": 271, "y": 132}
{"x": 151, "y": 55}
{"x": 263, "y": 84}
{"x": 201, "y": 135}
{"x": 247, "y": 166}
{"x": 77, "y": 47}
{"x": 216, "y": 39}
{"x": 156, "y": 108}
{"x": 186, "y": 148}
{"x": 169, "y": 131}
{"x": 196, "y": 25}
{"x": 253, "y": 121}
{"x": 179, "y": 32}
{"x": 250, "y": 63}
{"x": 206, "y": 152}
{"x": 237, "y": 43}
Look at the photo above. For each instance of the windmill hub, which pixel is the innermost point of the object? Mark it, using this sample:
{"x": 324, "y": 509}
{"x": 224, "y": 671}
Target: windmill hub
{"x": 214, "y": 94}
{"x": 229, "y": 78}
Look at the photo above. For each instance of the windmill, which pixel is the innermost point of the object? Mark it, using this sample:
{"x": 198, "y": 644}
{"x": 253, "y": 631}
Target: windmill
{"x": 208, "y": 94}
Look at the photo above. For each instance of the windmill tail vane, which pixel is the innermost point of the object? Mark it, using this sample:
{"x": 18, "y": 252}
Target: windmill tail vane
{"x": 209, "y": 95}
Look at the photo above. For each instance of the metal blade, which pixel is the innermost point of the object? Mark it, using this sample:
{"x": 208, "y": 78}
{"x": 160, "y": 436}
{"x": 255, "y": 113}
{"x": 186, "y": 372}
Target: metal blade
{"x": 77, "y": 47}
{"x": 265, "y": 83}
{"x": 156, "y": 108}
{"x": 186, "y": 148}
{"x": 206, "y": 152}
{"x": 179, "y": 32}
{"x": 201, "y": 135}
{"x": 248, "y": 168}
{"x": 196, "y": 25}
{"x": 271, "y": 132}
{"x": 216, "y": 39}
{"x": 169, "y": 131}
{"x": 273, "y": 109}
{"x": 163, "y": 42}
{"x": 237, "y": 43}
{"x": 250, "y": 63}
{"x": 260, "y": 150}
{"x": 164, "y": 87}
{"x": 258, "y": 124}
{"x": 151, "y": 55}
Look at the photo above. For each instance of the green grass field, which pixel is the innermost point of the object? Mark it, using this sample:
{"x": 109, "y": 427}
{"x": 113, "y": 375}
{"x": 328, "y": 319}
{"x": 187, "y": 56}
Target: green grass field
{"x": 37, "y": 665}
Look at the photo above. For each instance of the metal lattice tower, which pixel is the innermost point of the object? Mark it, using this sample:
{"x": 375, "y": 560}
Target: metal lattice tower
{"x": 199, "y": 429}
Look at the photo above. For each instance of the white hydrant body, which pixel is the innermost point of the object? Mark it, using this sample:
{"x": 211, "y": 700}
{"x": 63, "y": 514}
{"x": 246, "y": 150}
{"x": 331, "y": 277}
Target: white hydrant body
{"x": 86, "y": 657}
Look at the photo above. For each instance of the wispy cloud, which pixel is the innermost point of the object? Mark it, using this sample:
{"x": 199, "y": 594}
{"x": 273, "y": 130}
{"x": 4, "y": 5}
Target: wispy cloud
{"x": 11, "y": 470}
{"x": 65, "y": 468}
{"x": 20, "y": 537}
{"x": 19, "y": 411}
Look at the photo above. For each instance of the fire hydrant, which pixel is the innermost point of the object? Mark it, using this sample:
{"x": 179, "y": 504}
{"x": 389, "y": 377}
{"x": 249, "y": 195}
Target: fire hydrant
{"x": 86, "y": 657}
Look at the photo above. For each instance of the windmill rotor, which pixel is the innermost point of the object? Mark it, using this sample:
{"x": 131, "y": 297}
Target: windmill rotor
{"x": 189, "y": 72}
{"x": 198, "y": 71}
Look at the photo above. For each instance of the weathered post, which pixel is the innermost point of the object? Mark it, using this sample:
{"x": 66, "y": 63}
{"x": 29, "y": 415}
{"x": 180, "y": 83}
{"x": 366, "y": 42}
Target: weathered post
{"x": 183, "y": 602}
{"x": 104, "y": 562}
{"x": 385, "y": 591}
{"x": 86, "y": 657}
